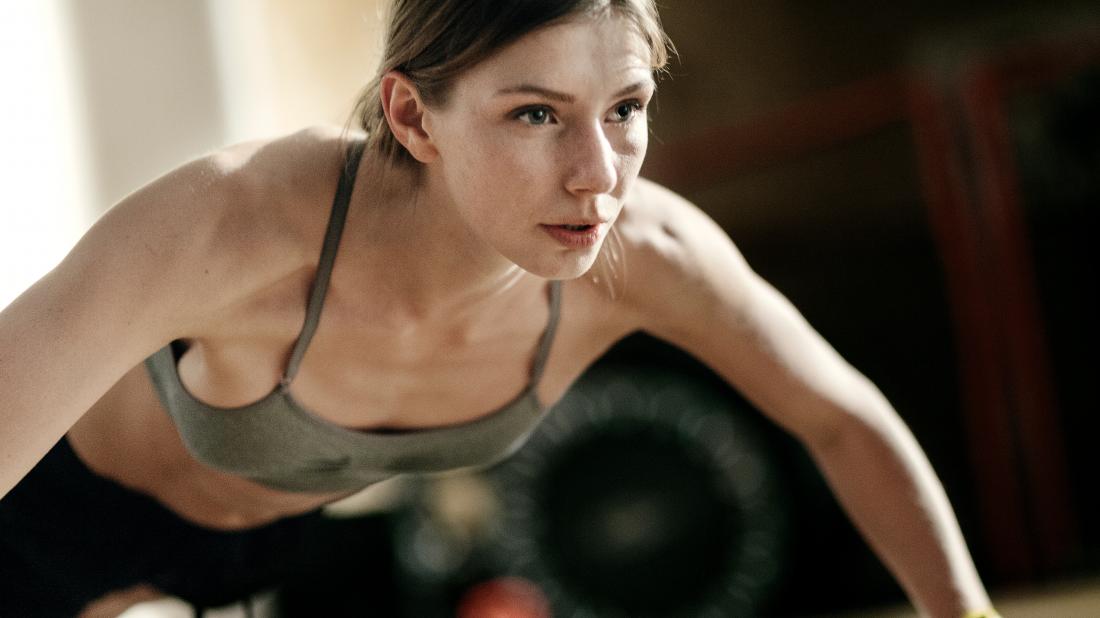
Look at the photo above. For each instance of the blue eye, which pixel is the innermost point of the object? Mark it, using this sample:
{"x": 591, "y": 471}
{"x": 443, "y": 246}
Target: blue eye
{"x": 535, "y": 116}
{"x": 625, "y": 111}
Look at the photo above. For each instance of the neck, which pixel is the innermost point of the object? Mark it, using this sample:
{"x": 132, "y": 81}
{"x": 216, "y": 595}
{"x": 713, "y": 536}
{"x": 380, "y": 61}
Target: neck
{"x": 415, "y": 247}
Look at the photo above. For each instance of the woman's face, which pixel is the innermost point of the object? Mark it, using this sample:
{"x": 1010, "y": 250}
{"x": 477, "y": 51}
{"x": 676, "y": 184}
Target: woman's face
{"x": 539, "y": 143}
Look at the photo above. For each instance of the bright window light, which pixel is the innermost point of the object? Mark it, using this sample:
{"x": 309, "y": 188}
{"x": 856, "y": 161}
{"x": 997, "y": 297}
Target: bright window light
{"x": 43, "y": 206}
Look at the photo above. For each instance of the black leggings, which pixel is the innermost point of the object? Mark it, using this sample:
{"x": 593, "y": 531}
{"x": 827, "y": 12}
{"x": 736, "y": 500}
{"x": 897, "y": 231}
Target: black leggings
{"x": 69, "y": 536}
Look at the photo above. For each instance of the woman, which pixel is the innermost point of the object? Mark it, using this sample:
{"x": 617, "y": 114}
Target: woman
{"x": 232, "y": 347}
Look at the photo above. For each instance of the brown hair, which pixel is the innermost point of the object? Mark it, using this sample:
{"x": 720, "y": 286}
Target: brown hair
{"x": 433, "y": 41}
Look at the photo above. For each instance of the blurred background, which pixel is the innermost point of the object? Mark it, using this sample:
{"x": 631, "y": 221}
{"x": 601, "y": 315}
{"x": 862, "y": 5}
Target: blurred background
{"x": 922, "y": 180}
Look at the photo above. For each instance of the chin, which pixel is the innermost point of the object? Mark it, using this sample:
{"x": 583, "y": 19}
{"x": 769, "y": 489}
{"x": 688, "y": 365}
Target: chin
{"x": 561, "y": 266}
{"x": 576, "y": 271}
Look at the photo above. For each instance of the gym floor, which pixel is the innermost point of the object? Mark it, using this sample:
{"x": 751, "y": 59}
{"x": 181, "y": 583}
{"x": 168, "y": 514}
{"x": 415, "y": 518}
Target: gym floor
{"x": 1077, "y": 599}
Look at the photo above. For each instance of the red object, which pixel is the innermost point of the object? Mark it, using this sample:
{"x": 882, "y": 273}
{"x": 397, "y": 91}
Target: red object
{"x": 504, "y": 597}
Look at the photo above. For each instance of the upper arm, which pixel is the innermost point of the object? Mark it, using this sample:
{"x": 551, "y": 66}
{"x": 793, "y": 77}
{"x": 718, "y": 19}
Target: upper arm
{"x": 702, "y": 296}
{"x": 139, "y": 277}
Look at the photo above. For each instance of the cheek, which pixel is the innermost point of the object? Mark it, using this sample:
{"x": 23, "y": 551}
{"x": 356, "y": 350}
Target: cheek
{"x": 641, "y": 140}
{"x": 491, "y": 177}
{"x": 632, "y": 153}
{"x": 637, "y": 150}
{"x": 517, "y": 167}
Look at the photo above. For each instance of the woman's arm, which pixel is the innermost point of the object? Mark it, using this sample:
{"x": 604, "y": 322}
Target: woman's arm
{"x": 143, "y": 274}
{"x": 701, "y": 295}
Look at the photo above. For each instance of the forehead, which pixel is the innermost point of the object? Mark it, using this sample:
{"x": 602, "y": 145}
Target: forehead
{"x": 606, "y": 52}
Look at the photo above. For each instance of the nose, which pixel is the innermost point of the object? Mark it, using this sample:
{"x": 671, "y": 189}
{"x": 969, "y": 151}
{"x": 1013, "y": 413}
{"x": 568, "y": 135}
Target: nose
{"x": 591, "y": 161}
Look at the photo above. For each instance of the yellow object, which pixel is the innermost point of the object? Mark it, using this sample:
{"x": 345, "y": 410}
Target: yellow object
{"x": 982, "y": 613}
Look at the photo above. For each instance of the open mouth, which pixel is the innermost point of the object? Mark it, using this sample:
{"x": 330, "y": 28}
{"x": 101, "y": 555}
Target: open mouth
{"x": 575, "y": 236}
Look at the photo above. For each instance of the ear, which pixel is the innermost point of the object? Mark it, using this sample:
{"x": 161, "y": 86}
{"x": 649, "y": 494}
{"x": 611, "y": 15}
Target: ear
{"x": 404, "y": 112}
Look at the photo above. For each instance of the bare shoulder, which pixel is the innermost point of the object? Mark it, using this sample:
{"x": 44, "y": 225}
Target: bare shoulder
{"x": 170, "y": 260}
{"x": 221, "y": 226}
{"x": 291, "y": 166}
{"x": 690, "y": 286}
{"x": 273, "y": 188}
{"x": 680, "y": 263}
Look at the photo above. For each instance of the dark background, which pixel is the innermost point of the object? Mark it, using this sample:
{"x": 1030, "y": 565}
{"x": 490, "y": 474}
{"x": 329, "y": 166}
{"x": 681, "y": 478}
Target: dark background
{"x": 806, "y": 130}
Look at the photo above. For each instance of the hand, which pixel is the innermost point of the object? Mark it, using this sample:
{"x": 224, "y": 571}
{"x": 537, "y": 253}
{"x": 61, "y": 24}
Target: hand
{"x": 140, "y": 601}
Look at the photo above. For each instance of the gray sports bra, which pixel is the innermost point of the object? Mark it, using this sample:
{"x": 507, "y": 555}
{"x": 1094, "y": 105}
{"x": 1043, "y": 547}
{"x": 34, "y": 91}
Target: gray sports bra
{"x": 277, "y": 442}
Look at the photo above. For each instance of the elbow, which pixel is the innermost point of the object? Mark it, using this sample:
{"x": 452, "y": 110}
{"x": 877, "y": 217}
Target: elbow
{"x": 867, "y": 413}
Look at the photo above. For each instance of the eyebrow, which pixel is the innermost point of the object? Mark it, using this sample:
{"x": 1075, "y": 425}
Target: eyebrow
{"x": 562, "y": 97}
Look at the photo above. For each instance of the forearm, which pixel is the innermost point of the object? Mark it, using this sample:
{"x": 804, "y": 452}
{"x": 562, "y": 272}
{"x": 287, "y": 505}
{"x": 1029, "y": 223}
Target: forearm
{"x": 884, "y": 481}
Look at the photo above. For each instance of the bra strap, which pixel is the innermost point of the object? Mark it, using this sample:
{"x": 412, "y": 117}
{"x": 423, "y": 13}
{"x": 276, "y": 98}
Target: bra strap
{"x": 328, "y": 257}
{"x": 547, "y": 335}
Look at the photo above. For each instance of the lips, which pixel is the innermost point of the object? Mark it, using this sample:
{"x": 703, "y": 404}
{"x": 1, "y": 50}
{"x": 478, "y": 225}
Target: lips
{"x": 575, "y": 235}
